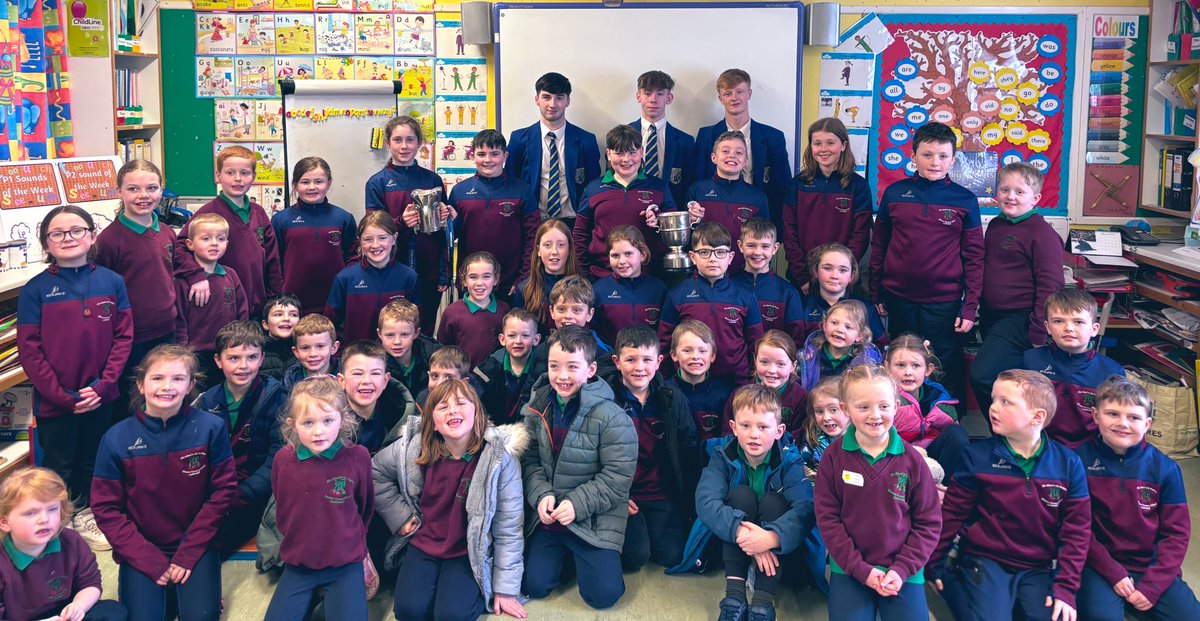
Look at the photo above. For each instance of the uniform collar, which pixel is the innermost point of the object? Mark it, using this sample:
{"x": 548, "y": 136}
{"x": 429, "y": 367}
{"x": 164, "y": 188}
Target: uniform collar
{"x": 241, "y": 210}
{"x": 1019, "y": 219}
{"x": 610, "y": 177}
{"x": 507, "y": 365}
{"x": 474, "y": 308}
{"x": 895, "y": 445}
{"x": 137, "y": 228}
{"x": 302, "y": 452}
{"x": 21, "y": 560}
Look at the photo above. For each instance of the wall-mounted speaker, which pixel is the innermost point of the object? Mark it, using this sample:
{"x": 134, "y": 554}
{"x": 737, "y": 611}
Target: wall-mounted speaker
{"x": 477, "y": 23}
{"x": 822, "y": 25}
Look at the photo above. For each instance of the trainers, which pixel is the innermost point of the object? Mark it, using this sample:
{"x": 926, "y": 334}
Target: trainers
{"x": 370, "y": 577}
{"x": 84, "y": 523}
{"x": 732, "y": 609}
{"x": 762, "y": 613}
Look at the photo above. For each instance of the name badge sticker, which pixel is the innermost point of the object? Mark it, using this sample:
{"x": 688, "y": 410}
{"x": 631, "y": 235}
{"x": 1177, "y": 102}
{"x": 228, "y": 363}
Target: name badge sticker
{"x": 852, "y": 478}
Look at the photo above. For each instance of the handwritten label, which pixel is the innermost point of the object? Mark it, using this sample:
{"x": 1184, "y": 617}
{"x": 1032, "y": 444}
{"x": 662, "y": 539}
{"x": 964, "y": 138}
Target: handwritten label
{"x": 88, "y": 181}
{"x": 28, "y": 185}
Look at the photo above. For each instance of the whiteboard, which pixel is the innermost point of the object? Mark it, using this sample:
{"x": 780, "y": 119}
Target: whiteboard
{"x": 603, "y": 51}
{"x": 344, "y": 141}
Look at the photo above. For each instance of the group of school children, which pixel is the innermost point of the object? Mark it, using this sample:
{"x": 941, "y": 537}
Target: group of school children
{"x": 541, "y": 435}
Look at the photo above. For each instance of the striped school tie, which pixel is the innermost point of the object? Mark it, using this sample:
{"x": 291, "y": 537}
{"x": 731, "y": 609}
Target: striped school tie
{"x": 650, "y": 161}
{"x": 554, "y": 186}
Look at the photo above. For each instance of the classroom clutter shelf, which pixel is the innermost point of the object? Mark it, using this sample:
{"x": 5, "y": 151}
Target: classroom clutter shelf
{"x": 137, "y": 86}
{"x": 1168, "y": 181}
{"x": 1167, "y": 279}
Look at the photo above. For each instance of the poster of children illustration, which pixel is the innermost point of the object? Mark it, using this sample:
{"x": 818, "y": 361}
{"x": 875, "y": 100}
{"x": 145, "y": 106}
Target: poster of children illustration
{"x": 268, "y": 119}
{"x": 461, "y": 76}
{"x": 214, "y": 76}
{"x": 255, "y": 34}
{"x": 293, "y": 5}
{"x": 335, "y": 33}
{"x": 255, "y": 76}
{"x": 235, "y": 119}
{"x": 373, "y": 32}
{"x": 453, "y": 176}
{"x": 417, "y": 76}
{"x": 373, "y": 6}
{"x": 294, "y": 68}
{"x": 335, "y": 68}
{"x": 268, "y": 160}
{"x": 421, "y": 112}
{"x": 414, "y": 34}
{"x": 372, "y": 68}
{"x": 450, "y": 44}
{"x": 215, "y": 34}
{"x": 272, "y": 198}
{"x": 453, "y": 149}
{"x": 333, "y": 5}
{"x": 253, "y": 5}
{"x": 294, "y": 34}
{"x": 460, "y": 114}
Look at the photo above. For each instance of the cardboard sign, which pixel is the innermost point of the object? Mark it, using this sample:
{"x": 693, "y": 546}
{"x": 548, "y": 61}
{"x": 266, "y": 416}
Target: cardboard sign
{"x": 94, "y": 180}
{"x": 28, "y": 185}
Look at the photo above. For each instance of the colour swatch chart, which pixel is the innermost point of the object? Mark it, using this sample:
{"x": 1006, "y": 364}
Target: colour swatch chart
{"x": 1116, "y": 113}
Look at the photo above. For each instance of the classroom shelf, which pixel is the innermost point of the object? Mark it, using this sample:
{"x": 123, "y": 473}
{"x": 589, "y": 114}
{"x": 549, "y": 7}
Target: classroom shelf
{"x": 1162, "y": 296}
{"x": 1172, "y": 138}
{"x": 1174, "y": 63}
{"x": 1166, "y": 212}
{"x": 1127, "y": 352}
{"x": 142, "y": 127}
{"x": 142, "y": 55}
{"x": 1147, "y": 255}
{"x": 12, "y": 377}
{"x": 13, "y": 455}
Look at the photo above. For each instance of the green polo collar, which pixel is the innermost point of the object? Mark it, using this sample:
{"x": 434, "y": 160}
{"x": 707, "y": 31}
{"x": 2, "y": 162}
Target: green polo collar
{"x": 835, "y": 362}
{"x": 474, "y": 308}
{"x": 137, "y": 228}
{"x": 22, "y": 560}
{"x": 1021, "y": 218}
{"x": 302, "y": 452}
{"x": 508, "y": 366}
{"x": 610, "y": 177}
{"x": 468, "y": 457}
{"x": 218, "y": 269}
{"x": 1026, "y": 463}
{"x": 242, "y": 211}
{"x": 895, "y": 445}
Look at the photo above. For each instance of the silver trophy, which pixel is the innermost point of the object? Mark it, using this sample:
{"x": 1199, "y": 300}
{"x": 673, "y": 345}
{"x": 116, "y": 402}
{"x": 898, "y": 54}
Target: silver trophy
{"x": 675, "y": 228}
{"x": 428, "y": 204}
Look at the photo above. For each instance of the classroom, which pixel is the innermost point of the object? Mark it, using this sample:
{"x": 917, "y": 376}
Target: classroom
{"x": 444, "y": 309}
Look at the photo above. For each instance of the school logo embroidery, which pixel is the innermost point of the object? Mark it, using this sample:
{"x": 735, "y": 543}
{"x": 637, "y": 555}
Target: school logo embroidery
{"x": 335, "y": 238}
{"x": 615, "y": 295}
{"x": 1049, "y": 370}
{"x": 711, "y": 193}
{"x": 298, "y": 220}
{"x": 947, "y": 217}
{"x": 170, "y": 248}
{"x": 732, "y": 315}
{"x": 362, "y": 284}
{"x": 338, "y": 492}
{"x": 645, "y": 197}
{"x": 899, "y": 487}
{"x": 1052, "y": 494}
{"x": 744, "y": 214}
{"x": 55, "y": 292}
{"x": 472, "y": 192}
{"x": 709, "y": 421}
{"x": 1086, "y": 402}
{"x": 105, "y": 309}
{"x": 391, "y": 183}
{"x": 1096, "y": 466}
{"x": 676, "y": 176}
{"x": 56, "y": 588}
{"x": 1002, "y": 464}
{"x": 229, "y": 296}
{"x": 908, "y": 194}
{"x": 464, "y": 488}
{"x": 652, "y": 314}
{"x": 785, "y": 414}
{"x": 1007, "y": 244}
{"x": 138, "y": 445}
{"x": 580, "y": 175}
{"x": 770, "y": 312}
{"x": 258, "y": 234}
{"x": 658, "y": 428}
{"x": 1147, "y": 497}
{"x": 508, "y": 209}
{"x": 842, "y": 204}
{"x": 693, "y": 294}
{"x": 193, "y": 463}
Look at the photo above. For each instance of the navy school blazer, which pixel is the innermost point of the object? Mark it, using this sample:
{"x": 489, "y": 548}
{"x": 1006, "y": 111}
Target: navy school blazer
{"x": 581, "y": 159}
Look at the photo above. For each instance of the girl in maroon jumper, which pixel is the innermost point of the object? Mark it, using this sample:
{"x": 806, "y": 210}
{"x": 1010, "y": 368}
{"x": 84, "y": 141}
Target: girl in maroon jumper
{"x": 775, "y": 368}
{"x": 322, "y": 483}
{"x": 474, "y": 322}
{"x": 553, "y": 259}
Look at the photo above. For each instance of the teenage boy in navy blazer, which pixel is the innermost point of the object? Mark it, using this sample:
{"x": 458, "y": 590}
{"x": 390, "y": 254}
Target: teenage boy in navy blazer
{"x": 530, "y": 159}
{"x": 767, "y": 167}
{"x": 666, "y": 149}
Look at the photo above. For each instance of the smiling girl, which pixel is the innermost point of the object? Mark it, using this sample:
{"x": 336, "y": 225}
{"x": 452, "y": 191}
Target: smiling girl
{"x": 361, "y": 290}
{"x": 628, "y": 296}
{"x": 474, "y": 322}
{"x": 844, "y": 342}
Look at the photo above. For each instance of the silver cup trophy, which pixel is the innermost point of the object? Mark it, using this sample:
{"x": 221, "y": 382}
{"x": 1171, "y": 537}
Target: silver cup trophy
{"x": 675, "y": 228}
{"x": 428, "y": 203}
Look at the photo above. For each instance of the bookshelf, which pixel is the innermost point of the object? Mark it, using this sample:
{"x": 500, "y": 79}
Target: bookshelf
{"x": 1168, "y": 183}
{"x": 137, "y": 84}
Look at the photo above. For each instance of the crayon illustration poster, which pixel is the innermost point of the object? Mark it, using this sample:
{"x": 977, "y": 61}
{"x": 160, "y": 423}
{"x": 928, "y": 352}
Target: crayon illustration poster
{"x": 1004, "y": 85}
{"x": 1116, "y": 113}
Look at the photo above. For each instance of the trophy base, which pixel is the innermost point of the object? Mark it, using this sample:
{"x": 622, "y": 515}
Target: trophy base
{"x": 677, "y": 261}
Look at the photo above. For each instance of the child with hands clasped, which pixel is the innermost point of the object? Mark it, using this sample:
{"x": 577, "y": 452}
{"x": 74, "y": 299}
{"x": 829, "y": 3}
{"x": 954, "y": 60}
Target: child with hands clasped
{"x": 323, "y": 485}
{"x": 577, "y": 474}
{"x": 474, "y": 322}
{"x": 693, "y": 350}
{"x": 74, "y": 333}
{"x": 361, "y": 290}
{"x": 1140, "y": 523}
{"x": 833, "y": 272}
{"x": 464, "y": 548}
{"x": 46, "y": 571}
{"x": 628, "y": 296}
{"x": 1020, "y": 504}
{"x": 390, "y": 190}
{"x": 754, "y": 499}
{"x": 843, "y": 343}
{"x": 877, "y": 508}
{"x": 165, "y": 479}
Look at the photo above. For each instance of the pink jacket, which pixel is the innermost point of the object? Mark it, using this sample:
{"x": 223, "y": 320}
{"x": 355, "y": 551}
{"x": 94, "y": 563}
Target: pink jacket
{"x": 915, "y": 427}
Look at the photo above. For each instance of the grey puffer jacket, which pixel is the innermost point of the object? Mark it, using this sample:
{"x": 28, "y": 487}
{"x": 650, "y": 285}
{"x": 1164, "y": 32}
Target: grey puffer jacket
{"x": 594, "y": 468}
{"x": 495, "y": 545}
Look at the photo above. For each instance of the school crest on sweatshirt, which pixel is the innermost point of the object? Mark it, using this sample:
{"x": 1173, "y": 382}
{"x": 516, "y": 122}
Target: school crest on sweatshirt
{"x": 1147, "y": 497}
{"x": 899, "y": 486}
{"x": 339, "y": 490}
{"x": 1052, "y": 494}
{"x": 842, "y": 204}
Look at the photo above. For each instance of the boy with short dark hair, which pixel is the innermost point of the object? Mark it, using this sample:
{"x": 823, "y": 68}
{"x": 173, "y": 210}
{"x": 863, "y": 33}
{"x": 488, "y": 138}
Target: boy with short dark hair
{"x": 719, "y": 302}
{"x": 693, "y": 350}
{"x": 497, "y": 213}
{"x": 576, "y": 476}
{"x": 250, "y": 404}
{"x": 661, "y": 499}
{"x": 375, "y": 399}
{"x": 768, "y": 167}
{"x": 1018, "y": 243}
{"x": 625, "y": 195}
{"x": 315, "y": 349}
{"x": 666, "y": 150}
{"x": 927, "y": 253}
{"x": 778, "y": 301}
{"x": 279, "y": 317}
{"x": 408, "y": 350}
{"x": 754, "y": 498}
{"x": 555, "y": 158}
{"x": 507, "y": 375}
{"x": 1072, "y": 364}
{"x": 447, "y": 363}
{"x": 197, "y": 326}
{"x": 1140, "y": 522}
{"x": 1020, "y": 503}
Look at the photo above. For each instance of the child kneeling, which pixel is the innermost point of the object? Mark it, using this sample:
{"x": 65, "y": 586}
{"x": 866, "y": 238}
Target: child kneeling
{"x": 753, "y": 496}
{"x": 450, "y": 491}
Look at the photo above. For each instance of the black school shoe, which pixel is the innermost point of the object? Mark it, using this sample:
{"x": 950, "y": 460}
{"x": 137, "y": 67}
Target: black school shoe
{"x": 734, "y": 610}
{"x": 762, "y": 613}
